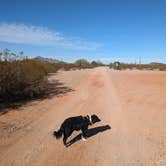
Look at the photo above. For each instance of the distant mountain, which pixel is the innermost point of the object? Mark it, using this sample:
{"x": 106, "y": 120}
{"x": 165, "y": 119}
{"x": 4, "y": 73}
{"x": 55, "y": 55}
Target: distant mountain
{"x": 39, "y": 58}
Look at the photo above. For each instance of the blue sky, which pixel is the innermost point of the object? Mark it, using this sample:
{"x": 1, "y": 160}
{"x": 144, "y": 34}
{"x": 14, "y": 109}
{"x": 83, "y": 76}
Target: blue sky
{"x": 105, "y": 30}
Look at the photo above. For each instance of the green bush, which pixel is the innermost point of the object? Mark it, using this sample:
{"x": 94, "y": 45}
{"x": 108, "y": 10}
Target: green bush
{"x": 20, "y": 79}
{"x": 82, "y": 63}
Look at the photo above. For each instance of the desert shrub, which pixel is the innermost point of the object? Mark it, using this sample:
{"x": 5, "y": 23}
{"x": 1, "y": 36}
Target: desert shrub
{"x": 21, "y": 79}
{"x": 116, "y": 65}
{"x": 153, "y": 66}
{"x": 82, "y": 63}
{"x": 96, "y": 64}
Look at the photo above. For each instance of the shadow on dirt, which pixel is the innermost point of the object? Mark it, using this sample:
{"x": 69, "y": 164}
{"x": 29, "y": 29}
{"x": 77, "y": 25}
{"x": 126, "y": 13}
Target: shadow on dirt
{"x": 90, "y": 132}
{"x": 54, "y": 88}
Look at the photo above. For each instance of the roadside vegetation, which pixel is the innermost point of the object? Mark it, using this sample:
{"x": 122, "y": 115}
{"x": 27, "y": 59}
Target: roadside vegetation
{"x": 22, "y": 78}
{"x": 151, "y": 66}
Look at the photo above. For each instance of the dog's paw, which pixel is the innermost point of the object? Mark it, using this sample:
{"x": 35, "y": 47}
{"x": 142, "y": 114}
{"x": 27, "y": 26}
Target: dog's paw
{"x": 84, "y": 139}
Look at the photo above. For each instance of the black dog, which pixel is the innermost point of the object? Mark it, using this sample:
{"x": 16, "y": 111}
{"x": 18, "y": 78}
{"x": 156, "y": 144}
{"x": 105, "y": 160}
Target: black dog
{"x": 75, "y": 123}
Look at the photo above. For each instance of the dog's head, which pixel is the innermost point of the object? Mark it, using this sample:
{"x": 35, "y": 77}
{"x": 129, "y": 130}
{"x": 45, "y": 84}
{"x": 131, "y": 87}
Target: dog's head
{"x": 95, "y": 118}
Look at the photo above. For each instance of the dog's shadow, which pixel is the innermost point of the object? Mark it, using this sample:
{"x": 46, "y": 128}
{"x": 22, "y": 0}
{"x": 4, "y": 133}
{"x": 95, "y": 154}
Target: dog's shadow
{"x": 90, "y": 132}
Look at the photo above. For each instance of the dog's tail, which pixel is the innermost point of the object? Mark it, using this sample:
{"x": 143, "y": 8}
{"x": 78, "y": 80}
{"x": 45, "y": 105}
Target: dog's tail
{"x": 58, "y": 134}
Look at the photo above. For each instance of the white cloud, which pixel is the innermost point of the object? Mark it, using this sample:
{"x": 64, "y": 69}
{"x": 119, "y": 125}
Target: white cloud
{"x": 35, "y": 35}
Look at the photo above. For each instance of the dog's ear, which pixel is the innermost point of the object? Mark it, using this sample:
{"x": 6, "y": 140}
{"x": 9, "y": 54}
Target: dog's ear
{"x": 93, "y": 115}
{"x": 95, "y": 118}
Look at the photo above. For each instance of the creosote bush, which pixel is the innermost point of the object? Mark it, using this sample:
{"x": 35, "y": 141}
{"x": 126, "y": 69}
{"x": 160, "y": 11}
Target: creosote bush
{"x": 21, "y": 79}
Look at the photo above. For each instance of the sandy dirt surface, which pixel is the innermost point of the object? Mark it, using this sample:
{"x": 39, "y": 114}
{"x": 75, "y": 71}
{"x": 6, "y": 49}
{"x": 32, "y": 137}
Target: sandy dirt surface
{"x": 133, "y": 103}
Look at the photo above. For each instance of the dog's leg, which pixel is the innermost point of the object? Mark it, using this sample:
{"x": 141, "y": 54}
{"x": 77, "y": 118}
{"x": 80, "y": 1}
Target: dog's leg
{"x": 84, "y": 136}
{"x": 64, "y": 140}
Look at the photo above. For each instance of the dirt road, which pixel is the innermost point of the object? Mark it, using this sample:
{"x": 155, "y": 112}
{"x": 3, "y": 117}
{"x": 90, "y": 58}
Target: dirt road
{"x": 133, "y": 103}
